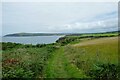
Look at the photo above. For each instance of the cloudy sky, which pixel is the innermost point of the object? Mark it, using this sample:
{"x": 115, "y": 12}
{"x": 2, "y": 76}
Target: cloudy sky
{"x": 80, "y": 17}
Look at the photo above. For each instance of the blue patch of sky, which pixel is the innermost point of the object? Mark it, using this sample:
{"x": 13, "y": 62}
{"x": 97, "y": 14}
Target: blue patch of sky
{"x": 101, "y": 17}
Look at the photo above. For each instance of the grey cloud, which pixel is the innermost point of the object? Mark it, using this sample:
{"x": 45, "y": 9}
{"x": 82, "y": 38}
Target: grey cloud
{"x": 108, "y": 24}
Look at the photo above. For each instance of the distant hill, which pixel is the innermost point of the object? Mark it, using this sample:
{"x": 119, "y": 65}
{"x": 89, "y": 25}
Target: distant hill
{"x": 49, "y": 34}
{"x": 33, "y": 34}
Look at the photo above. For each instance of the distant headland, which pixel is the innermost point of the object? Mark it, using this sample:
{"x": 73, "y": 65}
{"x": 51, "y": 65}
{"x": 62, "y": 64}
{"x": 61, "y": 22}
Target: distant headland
{"x": 50, "y": 34}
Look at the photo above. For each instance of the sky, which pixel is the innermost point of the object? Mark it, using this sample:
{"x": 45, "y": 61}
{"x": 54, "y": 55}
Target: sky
{"x": 60, "y": 0}
{"x": 62, "y": 17}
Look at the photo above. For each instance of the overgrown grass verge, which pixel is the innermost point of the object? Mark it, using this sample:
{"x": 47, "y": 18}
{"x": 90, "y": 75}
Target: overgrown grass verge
{"x": 22, "y": 62}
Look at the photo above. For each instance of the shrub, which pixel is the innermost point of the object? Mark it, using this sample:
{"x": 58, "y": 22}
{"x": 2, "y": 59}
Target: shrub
{"x": 105, "y": 72}
{"x": 17, "y": 72}
{"x": 40, "y": 45}
{"x": 9, "y": 45}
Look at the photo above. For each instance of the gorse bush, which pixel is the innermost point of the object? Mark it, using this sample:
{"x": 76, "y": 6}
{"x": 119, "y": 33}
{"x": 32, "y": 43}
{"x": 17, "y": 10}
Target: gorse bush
{"x": 9, "y": 45}
{"x": 25, "y": 61}
{"x": 17, "y": 73}
{"x": 13, "y": 68}
{"x": 40, "y": 45}
{"x": 104, "y": 72}
{"x": 65, "y": 40}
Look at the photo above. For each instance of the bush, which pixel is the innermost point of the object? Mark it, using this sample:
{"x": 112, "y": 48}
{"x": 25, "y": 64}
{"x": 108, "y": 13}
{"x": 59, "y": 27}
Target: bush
{"x": 9, "y": 45}
{"x": 105, "y": 72}
{"x": 40, "y": 45}
{"x": 17, "y": 72}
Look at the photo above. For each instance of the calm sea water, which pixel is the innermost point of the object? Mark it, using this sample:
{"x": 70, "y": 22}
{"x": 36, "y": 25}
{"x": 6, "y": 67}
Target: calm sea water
{"x": 32, "y": 39}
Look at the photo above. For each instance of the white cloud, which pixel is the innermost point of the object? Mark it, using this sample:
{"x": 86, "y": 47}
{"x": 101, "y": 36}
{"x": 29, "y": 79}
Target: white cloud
{"x": 96, "y": 25}
{"x": 58, "y": 17}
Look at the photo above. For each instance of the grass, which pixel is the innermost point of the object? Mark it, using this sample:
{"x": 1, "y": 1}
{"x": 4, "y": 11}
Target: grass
{"x": 32, "y": 59}
{"x": 73, "y": 59}
{"x": 59, "y": 67}
{"x": 76, "y": 38}
{"x": 104, "y": 50}
{"x": 89, "y": 54}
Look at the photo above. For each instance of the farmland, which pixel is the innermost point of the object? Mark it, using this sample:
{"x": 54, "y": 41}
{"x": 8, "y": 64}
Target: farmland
{"x": 73, "y": 56}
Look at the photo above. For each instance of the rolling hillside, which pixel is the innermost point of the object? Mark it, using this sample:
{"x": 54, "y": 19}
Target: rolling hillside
{"x": 89, "y": 58}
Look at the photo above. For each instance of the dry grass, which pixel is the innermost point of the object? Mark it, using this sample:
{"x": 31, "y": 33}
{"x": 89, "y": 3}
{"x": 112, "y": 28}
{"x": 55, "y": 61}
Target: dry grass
{"x": 98, "y": 41}
{"x": 89, "y": 53}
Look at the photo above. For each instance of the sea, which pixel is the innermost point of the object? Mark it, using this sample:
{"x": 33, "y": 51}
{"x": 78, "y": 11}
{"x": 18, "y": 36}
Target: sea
{"x": 31, "y": 39}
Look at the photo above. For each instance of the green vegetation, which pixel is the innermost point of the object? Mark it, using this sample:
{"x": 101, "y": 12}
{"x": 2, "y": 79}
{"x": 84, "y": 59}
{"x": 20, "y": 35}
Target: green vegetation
{"x": 58, "y": 66}
{"x": 91, "y": 56}
{"x": 23, "y": 60}
{"x": 105, "y": 72}
{"x": 52, "y": 34}
{"x": 76, "y": 38}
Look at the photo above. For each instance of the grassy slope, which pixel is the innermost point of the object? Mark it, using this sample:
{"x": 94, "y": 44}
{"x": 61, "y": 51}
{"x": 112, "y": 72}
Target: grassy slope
{"x": 105, "y": 49}
{"x": 63, "y": 63}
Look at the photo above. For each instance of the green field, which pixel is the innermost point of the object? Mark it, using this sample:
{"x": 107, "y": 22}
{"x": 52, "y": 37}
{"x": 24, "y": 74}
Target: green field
{"x": 70, "y": 57}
